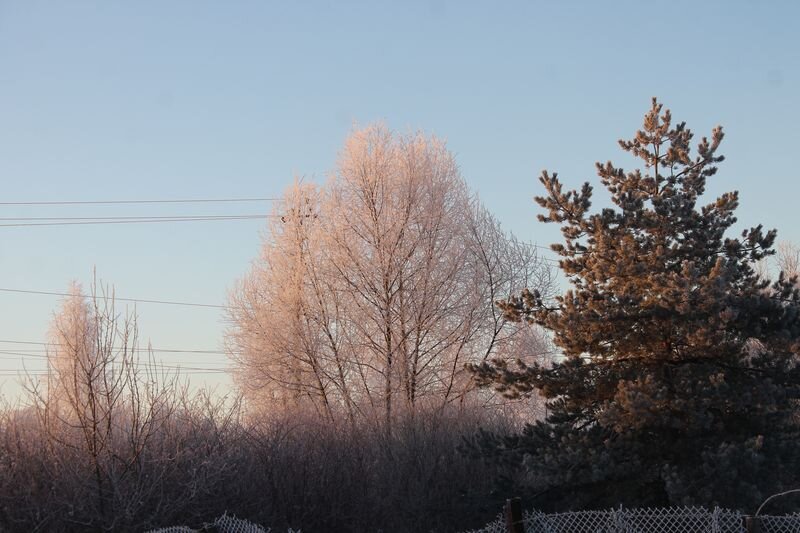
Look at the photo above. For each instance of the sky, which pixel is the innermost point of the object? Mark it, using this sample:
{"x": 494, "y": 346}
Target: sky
{"x": 191, "y": 99}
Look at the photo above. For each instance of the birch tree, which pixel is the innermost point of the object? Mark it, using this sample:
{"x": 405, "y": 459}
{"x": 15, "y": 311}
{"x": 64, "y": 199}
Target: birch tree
{"x": 788, "y": 257}
{"x": 373, "y": 291}
{"x": 73, "y": 356}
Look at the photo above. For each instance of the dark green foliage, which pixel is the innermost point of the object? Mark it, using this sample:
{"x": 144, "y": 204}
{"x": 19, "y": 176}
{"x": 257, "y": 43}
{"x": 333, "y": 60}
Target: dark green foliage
{"x": 679, "y": 378}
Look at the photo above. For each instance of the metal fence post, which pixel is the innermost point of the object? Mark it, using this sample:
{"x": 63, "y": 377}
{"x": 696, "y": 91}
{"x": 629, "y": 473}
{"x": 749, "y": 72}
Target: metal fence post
{"x": 514, "y": 520}
{"x": 619, "y": 520}
{"x": 752, "y": 524}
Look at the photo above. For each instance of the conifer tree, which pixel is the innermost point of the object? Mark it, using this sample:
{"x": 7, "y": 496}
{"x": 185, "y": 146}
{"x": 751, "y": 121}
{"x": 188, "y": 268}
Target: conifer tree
{"x": 678, "y": 380}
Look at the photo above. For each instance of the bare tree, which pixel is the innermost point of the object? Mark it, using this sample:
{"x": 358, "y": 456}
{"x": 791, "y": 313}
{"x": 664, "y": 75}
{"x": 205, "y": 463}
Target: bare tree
{"x": 788, "y": 258}
{"x": 372, "y": 292}
{"x": 108, "y": 443}
{"x": 100, "y": 405}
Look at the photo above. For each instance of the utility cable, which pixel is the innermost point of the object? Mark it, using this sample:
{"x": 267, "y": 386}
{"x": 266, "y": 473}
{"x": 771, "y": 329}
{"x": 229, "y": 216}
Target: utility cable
{"x": 116, "y": 202}
{"x": 117, "y": 298}
{"x": 209, "y": 218}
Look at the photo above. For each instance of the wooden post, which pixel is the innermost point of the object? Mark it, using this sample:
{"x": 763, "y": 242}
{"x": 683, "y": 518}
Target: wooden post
{"x": 514, "y": 520}
{"x": 752, "y": 524}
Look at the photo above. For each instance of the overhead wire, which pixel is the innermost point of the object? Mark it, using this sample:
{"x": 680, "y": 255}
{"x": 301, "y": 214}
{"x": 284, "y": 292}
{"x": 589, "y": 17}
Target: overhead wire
{"x": 143, "y": 220}
{"x": 41, "y": 354}
{"x": 171, "y": 366}
{"x": 119, "y": 298}
{"x": 134, "y": 218}
{"x": 70, "y": 221}
{"x": 117, "y": 202}
{"x": 21, "y": 373}
{"x": 46, "y": 353}
{"x": 43, "y": 345}
{"x": 74, "y": 220}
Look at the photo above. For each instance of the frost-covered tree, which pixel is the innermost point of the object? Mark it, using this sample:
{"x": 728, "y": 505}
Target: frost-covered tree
{"x": 789, "y": 259}
{"x": 679, "y": 378}
{"x": 374, "y": 290}
{"x": 76, "y": 372}
{"x": 100, "y": 407}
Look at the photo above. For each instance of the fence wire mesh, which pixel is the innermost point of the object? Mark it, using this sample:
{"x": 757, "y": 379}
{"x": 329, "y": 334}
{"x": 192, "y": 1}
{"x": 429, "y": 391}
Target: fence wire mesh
{"x": 224, "y": 524}
{"x": 498, "y": 525}
{"x": 662, "y": 520}
{"x": 781, "y": 524}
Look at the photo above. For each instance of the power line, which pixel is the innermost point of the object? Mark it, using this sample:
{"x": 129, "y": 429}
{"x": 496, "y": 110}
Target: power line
{"x": 23, "y": 373}
{"x": 42, "y": 348}
{"x": 116, "y": 202}
{"x": 174, "y": 365}
{"x": 154, "y": 351}
{"x": 35, "y": 355}
{"x": 134, "y": 300}
{"x": 171, "y": 365}
{"x": 70, "y": 221}
{"x": 150, "y": 217}
{"x": 210, "y": 218}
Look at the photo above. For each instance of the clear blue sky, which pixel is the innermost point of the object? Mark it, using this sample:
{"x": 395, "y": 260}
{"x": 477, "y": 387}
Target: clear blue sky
{"x": 140, "y": 100}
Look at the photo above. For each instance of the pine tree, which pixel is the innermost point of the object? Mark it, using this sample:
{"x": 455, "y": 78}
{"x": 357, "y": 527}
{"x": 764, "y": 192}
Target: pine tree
{"x": 679, "y": 379}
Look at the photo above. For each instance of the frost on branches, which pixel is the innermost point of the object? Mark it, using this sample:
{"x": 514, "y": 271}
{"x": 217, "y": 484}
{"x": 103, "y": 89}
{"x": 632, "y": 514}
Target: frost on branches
{"x": 374, "y": 290}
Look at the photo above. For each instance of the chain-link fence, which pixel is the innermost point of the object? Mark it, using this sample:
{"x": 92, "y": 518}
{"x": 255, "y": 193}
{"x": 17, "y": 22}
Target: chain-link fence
{"x": 780, "y": 524}
{"x": 224, "y": 524}
{"x": 663, "y": 520}
{"x": 498, "y": 525}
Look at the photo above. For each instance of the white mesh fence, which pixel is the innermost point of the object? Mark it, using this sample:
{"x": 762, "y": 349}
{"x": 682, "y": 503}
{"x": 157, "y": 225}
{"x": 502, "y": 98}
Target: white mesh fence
{"x": 781, "y": 524}
{"x": 662, "y": 520}
{"x": 224, "y": 524}
{"x": 667, "y": 520}
{"x": 496, "y": 526}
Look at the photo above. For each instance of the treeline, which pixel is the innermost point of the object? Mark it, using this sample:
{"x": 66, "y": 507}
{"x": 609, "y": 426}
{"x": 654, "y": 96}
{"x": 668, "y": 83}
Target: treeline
{"x": 108, "y": 440}
{"x": 349, "y": 339}
{"x": 202, "y": 458}
{"x": 392, "y": 344}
